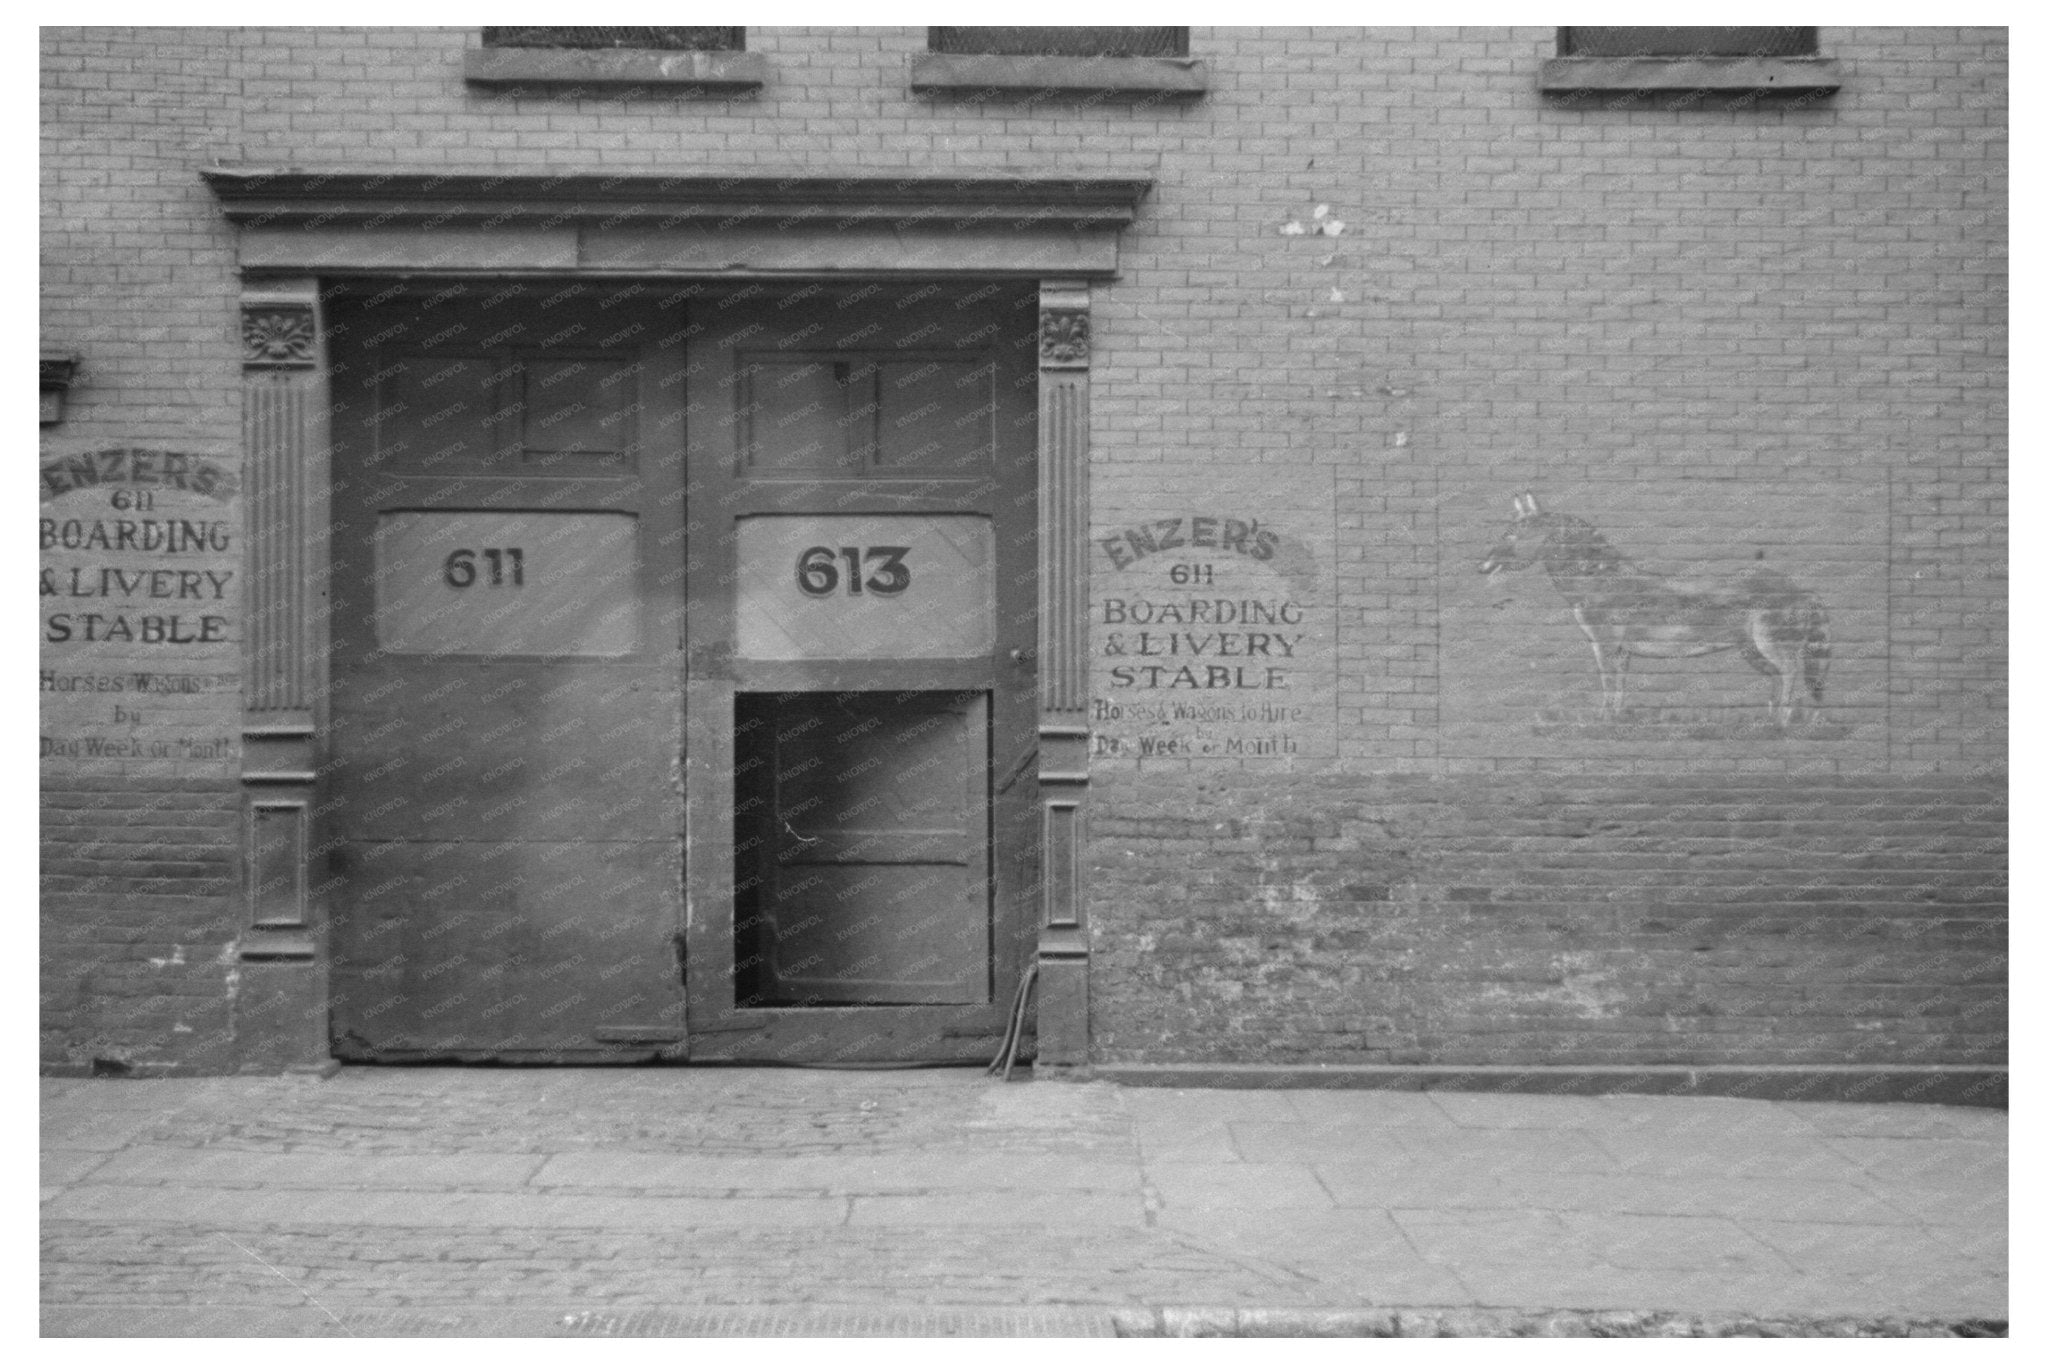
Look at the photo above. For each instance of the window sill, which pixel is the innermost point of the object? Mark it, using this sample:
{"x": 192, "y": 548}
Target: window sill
{"x": 723, "y": 72}
{"x": 268, "y": 943}
{"x": 1176, "y": 77}
{"x": 1756, "y": 75}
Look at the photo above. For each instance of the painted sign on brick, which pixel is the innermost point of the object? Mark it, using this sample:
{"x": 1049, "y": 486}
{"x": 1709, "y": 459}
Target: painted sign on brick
{"x": 139, "y": 608}
{"x": 1213, "y": 633}
{"x": 1599, "y": 613}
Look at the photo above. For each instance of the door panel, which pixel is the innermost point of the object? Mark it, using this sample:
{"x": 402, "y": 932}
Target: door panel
{"x": 866, "y": 814}
{"x": 508, "y": 950}
{"x": 835, "y": 588}
{"x": 504, "y": 752}
{"x": 863, "y": 618}
{"x": 504, "y": 807}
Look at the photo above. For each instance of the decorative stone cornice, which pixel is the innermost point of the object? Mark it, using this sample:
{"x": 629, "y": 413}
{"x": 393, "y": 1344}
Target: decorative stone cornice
{"x": 296, "y": 198}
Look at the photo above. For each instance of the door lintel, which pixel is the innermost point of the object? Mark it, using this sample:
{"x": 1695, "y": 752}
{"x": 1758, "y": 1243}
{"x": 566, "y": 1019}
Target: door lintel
{"x": 676, "y": 225}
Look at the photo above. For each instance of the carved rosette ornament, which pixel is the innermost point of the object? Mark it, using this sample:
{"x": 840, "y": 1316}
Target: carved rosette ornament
{"x": 1063, "y": 339}
{"x": 278, "y": 336}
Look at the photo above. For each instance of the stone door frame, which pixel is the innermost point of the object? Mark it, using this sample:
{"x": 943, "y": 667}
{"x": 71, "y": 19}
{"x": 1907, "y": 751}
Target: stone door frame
{"x": 295, "y": 229}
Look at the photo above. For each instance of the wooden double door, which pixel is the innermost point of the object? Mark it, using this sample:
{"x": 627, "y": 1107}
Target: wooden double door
{"x": 681, "y": 693}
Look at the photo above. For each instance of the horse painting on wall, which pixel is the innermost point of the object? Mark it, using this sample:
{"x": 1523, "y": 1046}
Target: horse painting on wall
{"x": 1626, "y": 612}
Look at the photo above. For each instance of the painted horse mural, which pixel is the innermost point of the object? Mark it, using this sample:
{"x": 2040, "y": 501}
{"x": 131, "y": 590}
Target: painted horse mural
{"x": 1627, "y": 612}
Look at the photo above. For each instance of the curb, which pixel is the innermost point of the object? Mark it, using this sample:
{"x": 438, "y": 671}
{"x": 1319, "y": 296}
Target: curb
{"x": 1961, "y": 1086}
{"x": 743, "y": 1321}
{"x": 1389, "y": 1322}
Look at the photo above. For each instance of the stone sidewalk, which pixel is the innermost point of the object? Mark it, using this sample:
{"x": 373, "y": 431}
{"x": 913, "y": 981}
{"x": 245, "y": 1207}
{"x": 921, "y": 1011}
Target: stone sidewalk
{"x": 712, "y": 1201}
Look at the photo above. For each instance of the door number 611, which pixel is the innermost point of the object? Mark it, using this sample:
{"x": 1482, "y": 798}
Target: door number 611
{"x": 817, "y": 570}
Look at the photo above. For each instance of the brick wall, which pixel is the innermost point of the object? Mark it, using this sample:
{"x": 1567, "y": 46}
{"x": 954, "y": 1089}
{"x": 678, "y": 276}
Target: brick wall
{"x": 139, "y": 859}
{"x": 1716, "y": 334}
{"x": 1691, "y": 920}
{"x": 1715, "y": 331}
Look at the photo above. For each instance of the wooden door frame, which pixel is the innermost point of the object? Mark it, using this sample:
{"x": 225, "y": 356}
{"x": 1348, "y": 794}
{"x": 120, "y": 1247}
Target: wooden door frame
{"x": 295, "y": 229}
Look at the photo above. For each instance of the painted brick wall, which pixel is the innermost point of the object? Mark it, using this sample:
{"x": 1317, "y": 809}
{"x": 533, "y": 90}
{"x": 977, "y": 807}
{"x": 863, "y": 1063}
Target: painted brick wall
{"x": 1717, "y": 332}
{"x": 140, "y": 860}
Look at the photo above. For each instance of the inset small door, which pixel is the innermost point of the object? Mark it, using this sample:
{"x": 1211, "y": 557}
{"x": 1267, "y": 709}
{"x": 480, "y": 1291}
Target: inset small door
{"x": 862, "y": 861}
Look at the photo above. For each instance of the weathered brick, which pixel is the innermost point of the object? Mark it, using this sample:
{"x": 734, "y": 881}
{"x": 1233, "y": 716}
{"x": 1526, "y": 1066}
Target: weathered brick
{"x": 1714, "y": 330}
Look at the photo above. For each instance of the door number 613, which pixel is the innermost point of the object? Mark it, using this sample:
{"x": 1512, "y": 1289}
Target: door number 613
{"x": 817, "y": 570}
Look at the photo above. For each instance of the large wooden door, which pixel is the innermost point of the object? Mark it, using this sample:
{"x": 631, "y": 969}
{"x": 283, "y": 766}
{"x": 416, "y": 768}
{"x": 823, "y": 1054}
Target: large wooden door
{"x": 683, "y": 648}
{"x": 861, "y": 672}
{"x": 504, "y": 805}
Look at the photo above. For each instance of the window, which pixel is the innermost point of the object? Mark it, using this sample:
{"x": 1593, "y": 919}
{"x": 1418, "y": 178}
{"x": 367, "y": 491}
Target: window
{"x": 1138, "y": 63}
{"x": 616, "y": 61}
{"x": 1060, "y": 42}
{"x": 1722, "y": 41}
{"x": 643, "y": 38}
{"x": 1755, "y": 61}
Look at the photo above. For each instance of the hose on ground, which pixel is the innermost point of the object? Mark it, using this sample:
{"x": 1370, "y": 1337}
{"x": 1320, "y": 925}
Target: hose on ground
{"x": 1006, "y": 1055}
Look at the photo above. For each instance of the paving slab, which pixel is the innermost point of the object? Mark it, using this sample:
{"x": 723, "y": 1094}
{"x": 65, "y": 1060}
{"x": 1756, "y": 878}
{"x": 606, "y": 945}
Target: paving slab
{"x": 1983, "y": 1238}
{"x": 1635, "y": 1241}
{"x": 1738, "y": 1153}
{"x": 358, "y": 1208}
{"x": 78, "y": 1126}
{"x": 1814, "y": 1199}
{"x": 937, "y": 1171}
{"x": 1519, "y": 1110}
{"x": 1858, "y": 1251}
{"x": 1363, "y": 1245}
{"x": 1507, "y": 1152}
{"x": 1520, "y": 1284}
{"x": 1960, "y": 1203}
{"x": 1227, "y": 1187}
{"x": 1460, "y": 1237}
{"x": 60, "y": 1167}
{"x": 1708, "y": 1113}
{"x": 941, "y": 1211}
{"x": 581, "y": 1322}
{"x": 1412, "y": 1186}
{"x": 1209, "y": 1143}
{"x": 650, "y": 1201}
{"x": 1147, "y": 1105}
{"x": 1939, "y": 1160}
{"x": 1369, "y": 1107}
{"x": 162, "y": 1164}
{"x": 1903, "y": 1122}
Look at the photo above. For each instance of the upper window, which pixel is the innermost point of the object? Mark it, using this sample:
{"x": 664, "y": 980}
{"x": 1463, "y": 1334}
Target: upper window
{"x": 1059, "y": 42}
{"x": 1720, "y": 41}
{"x": 644, "y": 38}
{"x": 622, "y": 61}
{"x": 1690, "y": 62}
{"x": 1034, "y": 62}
